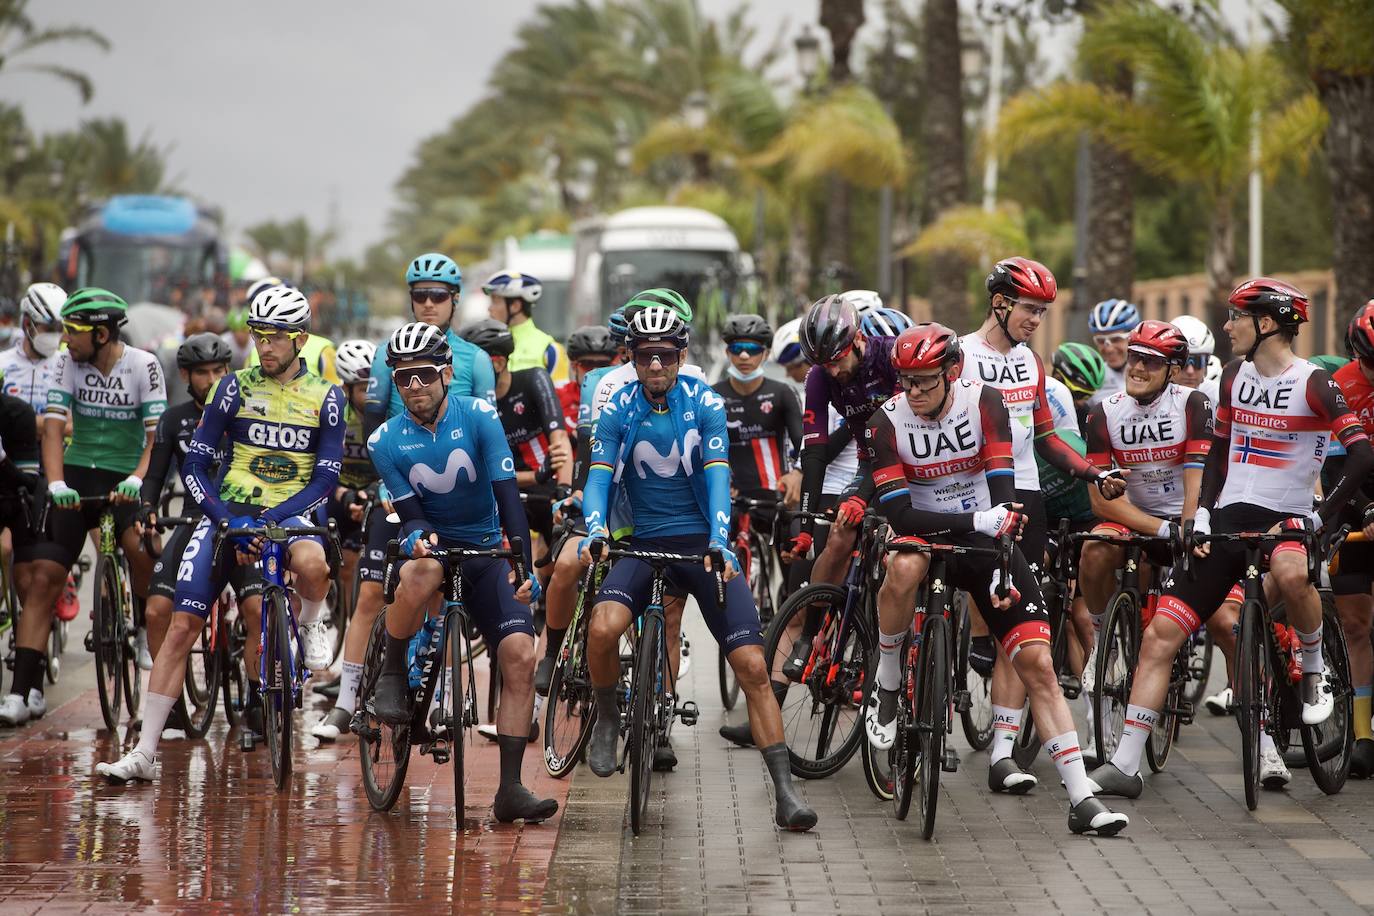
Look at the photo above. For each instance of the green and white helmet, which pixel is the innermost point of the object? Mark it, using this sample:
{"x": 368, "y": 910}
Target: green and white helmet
{"x": 94, "y": 305}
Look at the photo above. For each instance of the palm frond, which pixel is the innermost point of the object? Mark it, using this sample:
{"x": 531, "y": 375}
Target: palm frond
{"x": 845, "y": 133}
{"x": 53, "y": 35}
{"x": 971, "y": 234}
{"x": 1291, "y": 134}
{"x": 76, "y": 78}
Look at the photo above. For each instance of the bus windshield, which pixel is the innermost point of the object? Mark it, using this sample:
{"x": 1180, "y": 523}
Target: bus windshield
{"x": 168, "y": 274}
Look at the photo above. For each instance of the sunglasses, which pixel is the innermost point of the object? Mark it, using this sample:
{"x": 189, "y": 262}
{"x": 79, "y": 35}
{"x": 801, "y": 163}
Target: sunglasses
{"x": 1150, "y": 362}
{"x": 745, "y": 348}
{"x": 645, "y": 358}
{"x": 436, "y": 296}
{"x": 1107, "y": 340}
{"x": 423, "y": 375}
{"x": 590, "y": 365}
{"x": 1037, "y": 311}
{"x": 922, "y": 383}
{"x": 842, "y": 354}
{"x": 263, "y": 336}
{"x": 71, "y": 327}
{"x": 1197, "y": 361}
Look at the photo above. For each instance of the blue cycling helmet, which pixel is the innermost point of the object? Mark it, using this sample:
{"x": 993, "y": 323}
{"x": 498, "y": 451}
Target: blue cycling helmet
{"x": 884, "y": 322}
{"x": 1113, "y": 315}
{"x": 437, "y": 267}
{"x": 618, "y": 325}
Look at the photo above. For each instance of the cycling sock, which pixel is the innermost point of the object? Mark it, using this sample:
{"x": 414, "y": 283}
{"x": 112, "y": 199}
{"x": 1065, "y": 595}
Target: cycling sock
{"x": 394, "y": 660}
{"x": 1006, "y": 725}
{"x": 1311, "y": 650}
{"x": 889, "y": 660}
{"x": 555, "y": 641}
{"x": 512, "y": 751}
{"x": 28, "y": 671}
{"x": 1068, "y": 760}
{"x": 311, "y": 611}
{"x": 1266, "y": 742}
{"x": 608, "y": 704}
{"x": 348, "y": 686}
{"x": 1363, "y": 697}
{"x": 156, "y": 708}
{"x": 1139, "y": 723}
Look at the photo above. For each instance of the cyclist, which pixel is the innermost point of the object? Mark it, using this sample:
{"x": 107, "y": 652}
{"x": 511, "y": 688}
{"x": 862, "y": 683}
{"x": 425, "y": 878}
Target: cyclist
{"x": 513, "y": 296}
{"x": 113, "y": 395}
{"x": 1081, "y": 370}
{"x": 998, "y": 354}
{"x": 318, "y": 351}
{"x": 663, "y": 442}
{"x": 452, "y": 481}
{"x": 589, "y": 348}
{"x": 237, "y": 338}
{"x": 1111, "y": 322}
{"x": 763, "y": 416}
{"x": 1201, "y": 346}
{"x": 944, "y": 472}
{"x": 1277, "y": 414}
{"x": 27, "y": 366}
{"x": 285, "y": 431}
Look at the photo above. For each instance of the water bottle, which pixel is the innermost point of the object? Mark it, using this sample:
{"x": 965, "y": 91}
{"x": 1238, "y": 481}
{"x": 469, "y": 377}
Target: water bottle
{"x": 422, "y": 645}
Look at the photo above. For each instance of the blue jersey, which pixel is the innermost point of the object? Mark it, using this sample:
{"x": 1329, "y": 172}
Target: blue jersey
{"x": 655, "y": 478}
{"x": 473, "y": 377}
{"x": 588, "y": 389}
{"x": 448, "y": 472}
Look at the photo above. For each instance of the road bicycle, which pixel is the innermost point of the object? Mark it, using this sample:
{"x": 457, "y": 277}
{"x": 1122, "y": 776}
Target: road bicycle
{"x": 758, "y": 563}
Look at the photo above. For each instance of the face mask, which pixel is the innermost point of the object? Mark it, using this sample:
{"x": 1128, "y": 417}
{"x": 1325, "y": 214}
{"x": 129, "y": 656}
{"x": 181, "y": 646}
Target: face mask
{"x": 742, "y": 377}
{"x": 47, "y": 343}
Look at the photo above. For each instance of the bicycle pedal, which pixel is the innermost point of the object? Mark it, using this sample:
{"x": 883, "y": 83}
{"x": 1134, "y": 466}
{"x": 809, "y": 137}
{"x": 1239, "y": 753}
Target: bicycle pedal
{"x": 962, "y": 701}
{"x": 688, "y": 713}
{"x": 951, "y": 762}
{"x": 1071, "y": 686}
{"x": 247, "y": 742}
{"x": 90, "y": 641}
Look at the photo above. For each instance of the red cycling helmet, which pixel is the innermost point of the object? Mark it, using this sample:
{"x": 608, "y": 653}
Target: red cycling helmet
{"x": 1359, "y": 336}
{"x": 1281, "y": 301}
{"x": 1018, "y": 277}
{"x": 1160, "y": 338}
{"x": 925, "y": 346}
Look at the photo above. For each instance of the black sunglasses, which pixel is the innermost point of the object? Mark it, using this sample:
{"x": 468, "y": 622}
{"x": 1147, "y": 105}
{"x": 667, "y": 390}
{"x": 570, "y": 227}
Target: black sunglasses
{"x": 436, "y": 296}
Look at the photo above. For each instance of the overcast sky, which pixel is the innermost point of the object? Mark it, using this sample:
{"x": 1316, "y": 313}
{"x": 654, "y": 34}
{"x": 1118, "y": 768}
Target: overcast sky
{"x": 271, "y": 110}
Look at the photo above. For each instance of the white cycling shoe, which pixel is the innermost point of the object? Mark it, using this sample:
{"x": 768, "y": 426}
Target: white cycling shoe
{"x": 13, "y": 709}
{"x": 685, "y": 654}
{"x": 1318, "y": 699}
{"x": 316, "y": 646}
{"x": 882, "y": 705}
{"x": 1273, "y": 773}
{"x": 135, "y": 765}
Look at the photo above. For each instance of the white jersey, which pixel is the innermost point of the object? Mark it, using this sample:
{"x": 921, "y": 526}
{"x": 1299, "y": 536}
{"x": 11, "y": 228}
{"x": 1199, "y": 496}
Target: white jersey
{"x": 1113, "y": 380}
{"x": 1061, "y": 405}
{"x": 1212, "y": 388}
{"x": 1156, "y": 441}
{"x": 839, "y": 473}
{"x": 619, "y": 377}
{"x": 1020, "y": 377}
{"x": 27, "y": 379}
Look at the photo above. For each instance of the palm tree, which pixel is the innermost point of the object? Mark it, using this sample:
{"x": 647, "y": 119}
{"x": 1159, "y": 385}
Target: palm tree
{"x": 19, "y": 36}
{"x": 1331, "y": 42}
{"x": 842, "y": 19}
{"x": 114, "y": 165}
{"x": 1190, "y": 121}
{"x": 946, "y": 183}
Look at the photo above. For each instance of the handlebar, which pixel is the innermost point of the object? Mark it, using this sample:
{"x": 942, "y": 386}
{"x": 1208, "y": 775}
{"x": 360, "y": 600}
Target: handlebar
{"x": 661, "y": 558}
{"x": 1002, "y": 551}
{"x": 1344, "y": 535}
{"x": 1254, "y": 539}
{"x": 451, "y": 558}
{"x": 278, "y": 534}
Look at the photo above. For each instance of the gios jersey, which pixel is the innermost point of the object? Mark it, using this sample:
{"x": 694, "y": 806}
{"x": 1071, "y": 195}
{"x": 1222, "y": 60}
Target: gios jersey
{"x": 356, "y": 472}
{"x": 24, "y": 378}
{"x": 1278, "y": 429}
{"x": 111, "y": 414}
{"x": 943, "y": 464}
{"x": 530, "y": 414}
{"x": 1157, "y": 442}
{"x": 1020, "y": 376}
{"x": 765, "y": 425}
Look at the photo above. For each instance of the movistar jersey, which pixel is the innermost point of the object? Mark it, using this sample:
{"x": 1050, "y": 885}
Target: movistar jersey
{"x": 534, "y": 347}
{"x": 318, "y": 353}
{"x": 450, "y": 470}
{"x": 283, "y": 444}
{"x": 357, "y": 472}
{"x": 473, "y": 377}
{"x": 111, "y": 415}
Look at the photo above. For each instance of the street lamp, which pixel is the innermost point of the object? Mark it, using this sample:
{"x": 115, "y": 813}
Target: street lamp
{"x": 624, "y": 154}
{"x": 21, "y": 148}
{"x": 696, "y": 109}
{"x": 808, "y": 55}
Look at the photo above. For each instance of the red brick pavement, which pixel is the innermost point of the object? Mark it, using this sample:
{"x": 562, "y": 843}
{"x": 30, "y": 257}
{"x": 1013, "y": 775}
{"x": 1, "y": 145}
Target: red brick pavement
{"x": 214, "y": 834}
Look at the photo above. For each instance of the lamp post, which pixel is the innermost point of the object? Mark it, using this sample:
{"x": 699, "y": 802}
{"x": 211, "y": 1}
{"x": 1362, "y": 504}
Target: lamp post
{"x": 696, "y": 112}
{"x": 808, "y": 48}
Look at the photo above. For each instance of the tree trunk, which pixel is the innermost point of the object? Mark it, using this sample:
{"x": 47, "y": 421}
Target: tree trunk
{"x": 798, "y": 260}
{"x": 1221, "y": 273}
{"x": 835, "y": 247}
{"x": 842, "y": 19}
{"x": 1110, "y": 255}
{"x": 1349, "y": 101}
{"x": 942, "y": 136}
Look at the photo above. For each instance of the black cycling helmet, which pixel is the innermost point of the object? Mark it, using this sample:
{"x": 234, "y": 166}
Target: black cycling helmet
{"x": 200, "y": 349}
{"x": 747, "y": 327}
{"x": 829, "y": 329}
{"x": 591, "y": 340}
{"x": 491, "y": 335}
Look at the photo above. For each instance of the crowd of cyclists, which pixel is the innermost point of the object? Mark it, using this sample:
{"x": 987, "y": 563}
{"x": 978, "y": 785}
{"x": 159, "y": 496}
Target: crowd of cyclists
{"x": 447, "y": 437}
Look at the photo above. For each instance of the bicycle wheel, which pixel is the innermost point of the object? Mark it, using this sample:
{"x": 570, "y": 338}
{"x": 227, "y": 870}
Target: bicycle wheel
{"x": 1115, "y": 665}
{"x": 57, "y": 641}
{"x": 571, "y": 707}
{"x": 905, "y": 747}
{"x": 761, "y": 576}
{"x": 456, "y": 714}
{"x": 1200, "y": 649}
{"x": 338, "y": 613}
{"x": 133, "y": 680}
{"x": 1252, "y": 690}
{"x": 1166, "y": 728}
{"x": 822, "y": 716}
{"x": 107, "y": 633}
{"x": 200, "y": 688}
{"x": 276, "y": 699}
{"x": 383, "y": 750}
{"x": 976, "y": 715}
{"x": 644, "y": 705}
{"x": 729, "y": 684}
{"x": 1329, "y": 746}
{"x": 233, "y": 680}
{"x": 932, "y": 718}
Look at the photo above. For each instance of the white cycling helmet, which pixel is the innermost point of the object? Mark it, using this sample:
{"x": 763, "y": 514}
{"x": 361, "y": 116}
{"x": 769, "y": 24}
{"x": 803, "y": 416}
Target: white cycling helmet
{"x": 264, "y": 284}
{"x": 658, "y": 322}
{"x": 863, "y": 300}
{"x": 511, "y": 284}
{"x": 40, "y": 310}
{"x": 1200, "y": 339}
{"x": 787, "y": 343}
{"x": 1213, "y": 369}
{"x": 353, "y": 360}
{"x": 280, "y": 307}
{"x": 418, "y": 340}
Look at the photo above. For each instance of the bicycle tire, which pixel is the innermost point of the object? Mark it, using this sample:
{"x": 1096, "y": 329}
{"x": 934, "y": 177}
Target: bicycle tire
{"x": 383, "y": 750}
{"x": 200, "y": 688}
{"x": 1199, "y": 668}
{"x": 761, "y": 577}
{"x": 106, "y": 634}
{"x": 729, "y": 684}
{"x": 133, "y": 680}
{"x": 275, "y": 697}
{"x": 1330, "y": 746}
{"x": 976, "y": 720}
{"x": 56, "y": 643}
{"x": 570, "y": 709}
{"x": 1115, "y": 664}
{"x": 457, "y": 718}
{"x": 933, "y": 707}
{"x": 905, "y": 747}
{"x": 1252, "y": 688}
{"x": 338, "y": 613}
{"x": 644, "y": 702}
{"x": 1162, "y": 736}
{"x": 233, "y": 679}
{"x": 877, "y": 766}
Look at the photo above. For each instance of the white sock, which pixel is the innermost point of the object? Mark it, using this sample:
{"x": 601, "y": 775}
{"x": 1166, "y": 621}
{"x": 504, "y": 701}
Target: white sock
{"x": 156, "y": 709}
{"x": 1068, "y": 760}
{"x": 349, "y": 682}
{"x": 1311, "y": 650}
{"x": 1267, "y": 742}
{"x": 1089, "y": 713}
{"x": 311, "y": 611}
{"x": 1139, "y": 723}
{"x": 889, "y": 659}
{"x": 1006, "y": 725}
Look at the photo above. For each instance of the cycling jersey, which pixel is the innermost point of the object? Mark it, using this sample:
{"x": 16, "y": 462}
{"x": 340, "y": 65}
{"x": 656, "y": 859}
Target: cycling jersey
{"x": 1157, "y": 442}
{"x": 1359, "y": 394}
{"x": 473, "y": 377}
{"x": 170, "y": 444}
{"x": 1065, "y": 496}
{"x": 536, "y": 350}
{"x": 1062, "y": 408}
{"x": 18, "y": 445}
{"x": 356, "y": 471}
{"x": 318, "y": 353}
{"x": 1113, "y": 381}
{"x": 283, "y": 444}
{"x": 24, "y": 378}
{"x": 569, "y": 399}
{"x": 765, "y": 425}
{"x": 111, "y": 414}
{"x": 530, "y": 413}
{"x": 1272, "y": 435}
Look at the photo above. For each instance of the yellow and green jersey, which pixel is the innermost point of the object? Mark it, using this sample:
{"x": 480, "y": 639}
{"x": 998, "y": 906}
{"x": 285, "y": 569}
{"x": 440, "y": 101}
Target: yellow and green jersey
{"x": 357, "y": 472}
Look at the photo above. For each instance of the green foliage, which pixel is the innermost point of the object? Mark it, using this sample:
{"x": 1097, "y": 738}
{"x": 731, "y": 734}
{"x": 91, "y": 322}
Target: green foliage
{"x": 20, "y": 36}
